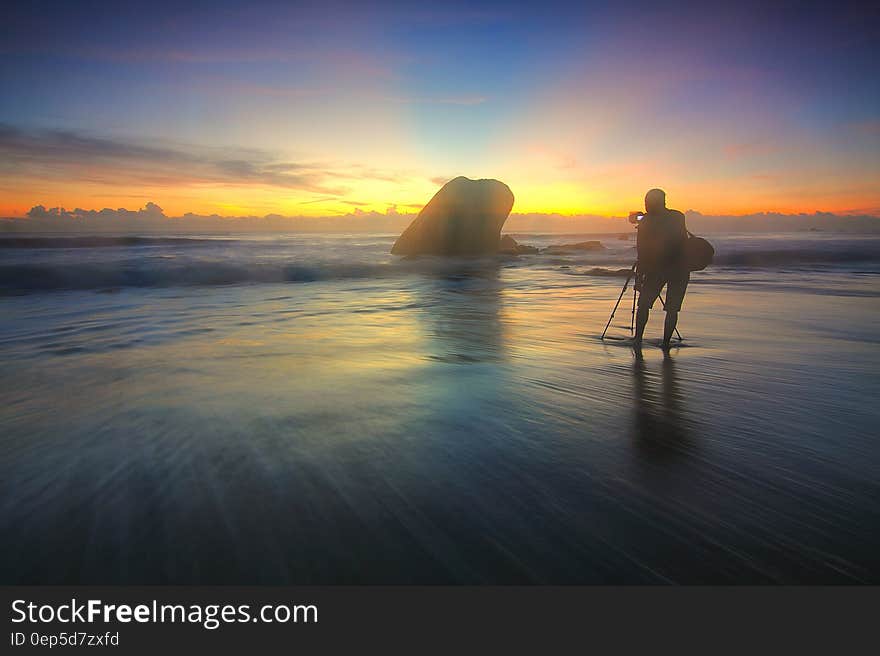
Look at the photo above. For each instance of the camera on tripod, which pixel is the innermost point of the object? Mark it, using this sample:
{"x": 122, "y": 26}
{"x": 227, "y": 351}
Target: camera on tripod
{"x": 636, "y": 217}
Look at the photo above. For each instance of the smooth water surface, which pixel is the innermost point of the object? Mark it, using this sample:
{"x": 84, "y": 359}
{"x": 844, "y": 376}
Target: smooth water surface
{"x": 310, "y": 409}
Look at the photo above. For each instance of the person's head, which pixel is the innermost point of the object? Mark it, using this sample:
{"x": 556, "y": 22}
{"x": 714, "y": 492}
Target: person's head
{"x": 655, "y": 200}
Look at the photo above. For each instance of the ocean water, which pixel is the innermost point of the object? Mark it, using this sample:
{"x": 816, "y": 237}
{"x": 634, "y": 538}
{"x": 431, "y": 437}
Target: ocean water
{"x": 311, "y": 409}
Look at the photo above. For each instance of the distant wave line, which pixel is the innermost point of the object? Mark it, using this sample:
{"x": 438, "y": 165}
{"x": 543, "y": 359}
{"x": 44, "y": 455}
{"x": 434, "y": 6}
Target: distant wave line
{"x": 96, "y": 241}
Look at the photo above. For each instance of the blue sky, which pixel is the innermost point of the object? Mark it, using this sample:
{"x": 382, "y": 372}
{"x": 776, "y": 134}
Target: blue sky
{"x": 320, "y": 107}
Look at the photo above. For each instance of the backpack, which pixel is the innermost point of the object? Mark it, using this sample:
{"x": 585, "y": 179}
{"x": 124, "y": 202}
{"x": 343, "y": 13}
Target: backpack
{"x": 698, "y": 253}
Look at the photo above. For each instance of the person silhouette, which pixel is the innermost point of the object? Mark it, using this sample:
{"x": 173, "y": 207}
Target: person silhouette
{"x": 660, "y": 243}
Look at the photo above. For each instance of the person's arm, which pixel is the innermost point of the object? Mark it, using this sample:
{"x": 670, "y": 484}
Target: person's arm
{"x": 645, "y": 248}
{"x": 641, "y": 245}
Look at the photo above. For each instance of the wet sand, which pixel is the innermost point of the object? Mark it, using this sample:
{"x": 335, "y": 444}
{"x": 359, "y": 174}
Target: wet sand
{"x": 441, "y": 429}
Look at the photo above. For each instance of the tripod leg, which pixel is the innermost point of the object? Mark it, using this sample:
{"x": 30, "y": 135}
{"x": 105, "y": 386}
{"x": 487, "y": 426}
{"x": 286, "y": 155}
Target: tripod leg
{"x": 632, "y": 316}
{"x": 622, "y": 292}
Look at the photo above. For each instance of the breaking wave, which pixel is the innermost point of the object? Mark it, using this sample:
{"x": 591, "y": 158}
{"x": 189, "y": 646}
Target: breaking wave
{"x": 25, "y": 266}
{"x": 828, "y": 254}
{"x": 101, "y": 241}
{"x": 44, "y": 277}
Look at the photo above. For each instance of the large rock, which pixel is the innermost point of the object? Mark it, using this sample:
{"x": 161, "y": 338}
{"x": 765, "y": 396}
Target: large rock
{"x": 463, "y": 218}
{"x": 509, "y": 246}
{"x": 567, "y": 249}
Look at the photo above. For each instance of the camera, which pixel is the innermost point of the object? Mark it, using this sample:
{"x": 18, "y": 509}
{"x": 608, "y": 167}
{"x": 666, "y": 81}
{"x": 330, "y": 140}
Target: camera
{"x": 636, "y": 217}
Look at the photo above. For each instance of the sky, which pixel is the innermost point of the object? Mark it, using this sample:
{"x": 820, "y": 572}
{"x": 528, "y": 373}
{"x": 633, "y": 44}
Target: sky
{"x": 321, "y": 109}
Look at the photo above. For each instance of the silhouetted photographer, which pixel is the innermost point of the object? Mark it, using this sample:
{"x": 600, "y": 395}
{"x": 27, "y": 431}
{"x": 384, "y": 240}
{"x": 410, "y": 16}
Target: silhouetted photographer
{"x": 661, "y": 241}
{"x": 667, "y": 253}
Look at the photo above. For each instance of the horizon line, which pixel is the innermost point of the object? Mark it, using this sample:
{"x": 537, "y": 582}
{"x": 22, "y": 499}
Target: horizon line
{"x": 152, "y": 210}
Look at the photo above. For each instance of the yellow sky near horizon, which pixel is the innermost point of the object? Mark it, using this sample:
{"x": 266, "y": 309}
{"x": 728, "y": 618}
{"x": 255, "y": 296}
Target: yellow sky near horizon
{"x": 409, "y": 195}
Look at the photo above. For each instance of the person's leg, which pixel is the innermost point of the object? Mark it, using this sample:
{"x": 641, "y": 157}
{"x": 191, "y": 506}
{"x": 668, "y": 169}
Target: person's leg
{"x": 675, "y": 291}
{"x": 647, "y": 295}
{"x": 641, "y": 322}
{"x": 669, "y": 326}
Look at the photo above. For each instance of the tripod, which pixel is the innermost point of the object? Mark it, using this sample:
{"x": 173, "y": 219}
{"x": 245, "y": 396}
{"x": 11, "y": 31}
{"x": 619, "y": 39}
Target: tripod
{"x": 632, "y": 272}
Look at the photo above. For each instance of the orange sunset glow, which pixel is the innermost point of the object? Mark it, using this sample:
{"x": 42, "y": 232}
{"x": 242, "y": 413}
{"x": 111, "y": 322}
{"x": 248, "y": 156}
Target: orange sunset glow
{"x": 257, "y": 116}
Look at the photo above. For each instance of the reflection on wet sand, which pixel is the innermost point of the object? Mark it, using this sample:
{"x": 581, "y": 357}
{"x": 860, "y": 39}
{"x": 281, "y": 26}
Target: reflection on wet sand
{"x": 662, "y": 427}
{"x": 462, "y": 316}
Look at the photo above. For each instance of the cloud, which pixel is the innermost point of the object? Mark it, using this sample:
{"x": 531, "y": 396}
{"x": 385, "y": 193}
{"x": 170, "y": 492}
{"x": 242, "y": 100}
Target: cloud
{"x": 463, "y": 100}
{"x": 322, "y": 199}
{"x": 750, "y": 149}
{"x": 359, "y": 172}
{"x": 151, "y": 218}
{"x": 61, "y": 145}
{"x": 150, "y": 211}
{"x": 71, "y": 155}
